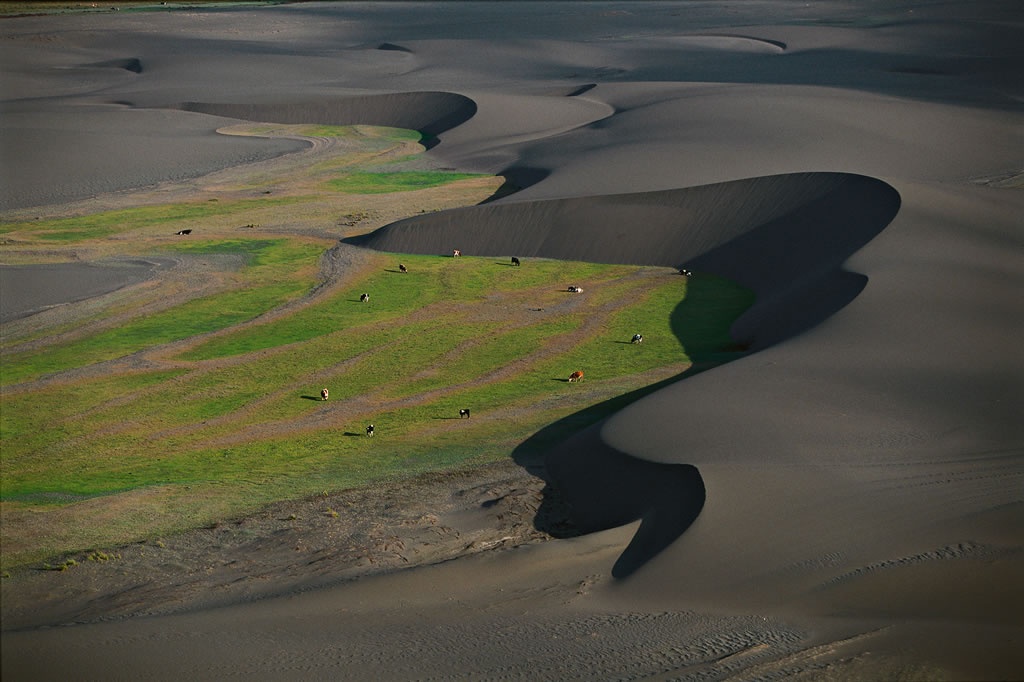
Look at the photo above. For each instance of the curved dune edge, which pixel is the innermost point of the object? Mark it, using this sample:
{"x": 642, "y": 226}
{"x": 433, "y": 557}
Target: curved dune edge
{"x": 782, "y": 236}
{"x": 729, "y": 41}
{"x": 30, "y": 289}
{"x": 431, "y": 113}
{"x": 786, "y": 237}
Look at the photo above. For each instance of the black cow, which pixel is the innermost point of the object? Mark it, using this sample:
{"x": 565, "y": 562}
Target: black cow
{"x": 364, "y": 297}
{"x": 637, "y": 338}
{"x": 369, "y": 430}
{"x": 183, "y": 232}
{"x": 515, "y": 261}
{"x": 464, "y": 413}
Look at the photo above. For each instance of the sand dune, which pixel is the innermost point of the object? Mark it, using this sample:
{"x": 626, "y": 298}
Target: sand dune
{"x": 429, "y": 112}
{"x": 843, "y": 502}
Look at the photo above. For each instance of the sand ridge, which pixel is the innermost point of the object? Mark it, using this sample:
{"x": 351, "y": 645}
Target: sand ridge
{"x": 860, "y": 472}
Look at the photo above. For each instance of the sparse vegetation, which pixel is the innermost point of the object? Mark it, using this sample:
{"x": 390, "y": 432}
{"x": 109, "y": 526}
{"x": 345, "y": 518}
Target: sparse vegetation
{"x": 208, "y": 407}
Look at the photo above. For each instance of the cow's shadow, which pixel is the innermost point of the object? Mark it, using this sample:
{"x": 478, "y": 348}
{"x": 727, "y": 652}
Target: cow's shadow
{"x": 311, "y": 397}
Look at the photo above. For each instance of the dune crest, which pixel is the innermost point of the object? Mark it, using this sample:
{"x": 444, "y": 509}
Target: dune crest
{"x": 783, "y": 236}
{"x": 431, "y": 113}
{"x": 786, "y": 237}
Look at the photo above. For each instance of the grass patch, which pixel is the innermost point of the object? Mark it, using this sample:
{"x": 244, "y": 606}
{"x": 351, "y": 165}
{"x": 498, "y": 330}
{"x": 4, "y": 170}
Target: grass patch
{"x": 234, "y": 421}
{"x": 399, "y": 181}
{"x": 266, "y": 283}
{"x": 110, "y": 223}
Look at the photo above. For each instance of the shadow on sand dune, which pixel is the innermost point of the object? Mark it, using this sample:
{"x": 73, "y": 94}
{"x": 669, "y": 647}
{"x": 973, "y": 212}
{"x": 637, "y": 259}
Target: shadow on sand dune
{"x": 431, "y": 113}
{"x": 784, "y": 237}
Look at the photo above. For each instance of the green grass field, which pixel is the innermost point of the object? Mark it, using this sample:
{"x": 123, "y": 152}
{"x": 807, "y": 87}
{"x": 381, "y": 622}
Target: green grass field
{"x": 218, "y": 411}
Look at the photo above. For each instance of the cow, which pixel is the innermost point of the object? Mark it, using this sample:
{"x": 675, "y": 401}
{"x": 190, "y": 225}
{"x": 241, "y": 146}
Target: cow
{"x": 183, "y": 232}
{"x": 323, "y": 394}
{"x": 685, "y": 273}
{"x": 369, "y": 430}
{"x": 456, "y": 253}
{"x": 515, "y": 261}
{"x": 576, "y": 376}
{"x": 402, "y": 268}
{"x": 464, "y": 413}
{"x": 637, "y": 338}
{"x": 364, "y": 298}
{"x": 575, "y": 289}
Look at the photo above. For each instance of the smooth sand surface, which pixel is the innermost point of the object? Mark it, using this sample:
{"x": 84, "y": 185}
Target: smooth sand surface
{"x": 845, "y": 502}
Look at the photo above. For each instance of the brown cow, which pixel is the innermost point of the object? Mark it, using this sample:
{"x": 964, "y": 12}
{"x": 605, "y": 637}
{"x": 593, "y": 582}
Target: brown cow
{"x": 323, "y": 394}
{"x": 456, "y": 253}
{"x": 576, "y": 376}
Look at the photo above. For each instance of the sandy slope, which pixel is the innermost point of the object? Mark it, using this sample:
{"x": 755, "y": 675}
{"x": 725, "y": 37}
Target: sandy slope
{"x": 846, "y": 501}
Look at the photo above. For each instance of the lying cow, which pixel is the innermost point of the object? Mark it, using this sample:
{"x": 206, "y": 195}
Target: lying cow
{"x": 364, "y": 298}
{"x": 464, "y": 413}
{"x": 684, "y": 272}
{"x": 323, "y": 394}
{"x": 183, "y": 232}
{"x": 637, "y": 338}
{"x": 369, "y": 430}
{"x": 575, "y": 289}
{"x": 576, "y": 376}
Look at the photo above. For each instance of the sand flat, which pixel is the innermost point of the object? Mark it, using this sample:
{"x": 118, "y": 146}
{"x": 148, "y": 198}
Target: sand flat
{"x": 846, "y": 501}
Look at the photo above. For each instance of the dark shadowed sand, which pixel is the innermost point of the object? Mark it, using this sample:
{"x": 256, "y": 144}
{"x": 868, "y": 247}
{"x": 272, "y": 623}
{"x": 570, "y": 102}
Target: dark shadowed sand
{"x": 845, "y": 502}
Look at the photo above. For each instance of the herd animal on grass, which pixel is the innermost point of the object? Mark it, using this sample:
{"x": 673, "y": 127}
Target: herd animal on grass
{"x": 573, "y": 378}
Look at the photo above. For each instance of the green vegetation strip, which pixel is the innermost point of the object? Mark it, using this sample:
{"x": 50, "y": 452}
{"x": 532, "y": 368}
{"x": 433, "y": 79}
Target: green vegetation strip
{"x": 233, "y": 421}
{"x": 110, "y": 223}
{"x": 398, "y": 181}
{"x": 266, "y": 283}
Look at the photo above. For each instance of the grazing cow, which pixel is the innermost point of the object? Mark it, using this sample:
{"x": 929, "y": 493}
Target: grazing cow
{"x": 637, "y": 338}
{"x": 515, "y": 261}
{"x": 456, "y": 253}
{"x": 463, "y": 413}
{"x": 402, "y": 268}
{"x": 684, "y": 272}
{"x": 369, "y": 430}
{"x": 576, "y": 376}
{"x": 575, "y": 289}
{"x": 183, "y": 232}
{"x": 323, "y": 394}
{"x": 364, "y": 298}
